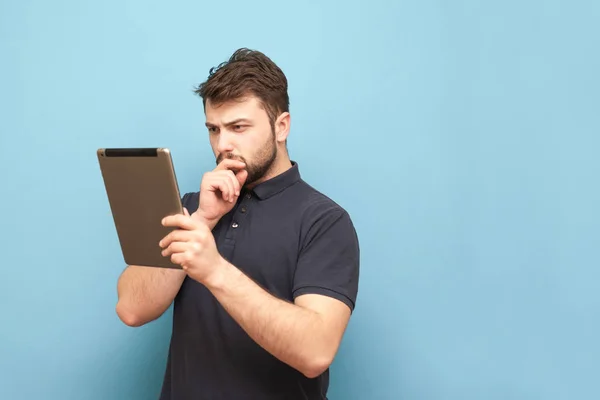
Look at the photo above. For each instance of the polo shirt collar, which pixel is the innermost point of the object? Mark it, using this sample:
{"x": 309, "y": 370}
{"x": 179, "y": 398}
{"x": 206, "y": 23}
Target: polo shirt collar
{"x": 278, "y": 184}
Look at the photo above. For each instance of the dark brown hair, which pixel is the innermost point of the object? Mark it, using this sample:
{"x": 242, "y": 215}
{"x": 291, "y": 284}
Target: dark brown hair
{"x": 247, "y": 72}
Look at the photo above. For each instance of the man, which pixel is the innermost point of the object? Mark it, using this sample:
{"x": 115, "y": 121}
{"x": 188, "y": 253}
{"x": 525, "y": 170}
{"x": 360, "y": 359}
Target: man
{"x": 270, "y": 266}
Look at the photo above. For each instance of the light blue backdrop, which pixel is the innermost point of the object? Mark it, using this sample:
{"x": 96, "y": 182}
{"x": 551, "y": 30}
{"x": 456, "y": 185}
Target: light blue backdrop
{"x": 462, "y": 136}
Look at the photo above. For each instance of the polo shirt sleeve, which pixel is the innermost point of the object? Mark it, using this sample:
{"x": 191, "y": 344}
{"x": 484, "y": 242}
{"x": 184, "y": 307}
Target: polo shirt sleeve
{"x": 329, "y": 258}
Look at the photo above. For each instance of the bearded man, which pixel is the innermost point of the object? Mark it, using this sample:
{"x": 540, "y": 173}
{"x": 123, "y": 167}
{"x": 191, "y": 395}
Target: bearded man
{"x": 270, "y": 265}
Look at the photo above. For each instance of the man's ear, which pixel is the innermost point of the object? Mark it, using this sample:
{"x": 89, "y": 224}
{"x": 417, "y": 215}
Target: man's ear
{"x": 282, "y": 127}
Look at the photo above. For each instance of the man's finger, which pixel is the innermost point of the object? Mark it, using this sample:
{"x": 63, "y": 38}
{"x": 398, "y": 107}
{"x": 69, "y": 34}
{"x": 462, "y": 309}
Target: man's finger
{"x": 223, "y": 185}
{"x": 175, "y": 247}
{"x": 235, "y": 183}
{"x": 231, "y": 164}
{"x": 181, "y": 259}
{"x": 175, "y": 236}
{"x": 220, "y": 181}
{"x": 179, "y": 221}
{"x": 241, "y": 176}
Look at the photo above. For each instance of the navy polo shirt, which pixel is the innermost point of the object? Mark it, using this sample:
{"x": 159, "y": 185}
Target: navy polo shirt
{"x": 291, "y": 240}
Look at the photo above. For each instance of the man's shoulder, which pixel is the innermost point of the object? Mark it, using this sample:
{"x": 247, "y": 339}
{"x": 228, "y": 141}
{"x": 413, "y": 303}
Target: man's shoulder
{"x": 316, "y": 205}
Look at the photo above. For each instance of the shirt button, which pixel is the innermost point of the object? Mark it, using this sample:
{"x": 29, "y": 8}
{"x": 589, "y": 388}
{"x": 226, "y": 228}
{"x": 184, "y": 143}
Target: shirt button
{"x": 234, "y": 225}
{"x": 248, "y": 195}
{"x": 243, "y": 210}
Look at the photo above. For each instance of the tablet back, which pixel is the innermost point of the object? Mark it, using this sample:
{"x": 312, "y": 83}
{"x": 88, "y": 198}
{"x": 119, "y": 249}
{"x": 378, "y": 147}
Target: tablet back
{"x": 142, "y": 189}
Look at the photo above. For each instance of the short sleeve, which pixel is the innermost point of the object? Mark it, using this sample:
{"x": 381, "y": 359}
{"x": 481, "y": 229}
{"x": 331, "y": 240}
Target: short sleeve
{"x": 329, "y": 258}
{"x": 191, "y": 201}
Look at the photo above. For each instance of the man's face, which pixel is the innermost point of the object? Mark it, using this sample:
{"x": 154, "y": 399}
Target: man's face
{"x": 241, "y": 130}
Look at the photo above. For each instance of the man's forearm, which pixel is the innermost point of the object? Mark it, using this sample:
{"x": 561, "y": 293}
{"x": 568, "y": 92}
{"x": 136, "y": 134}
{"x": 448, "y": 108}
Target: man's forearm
{"x": 145, "y": 293}
{"x": 293, "y": 334}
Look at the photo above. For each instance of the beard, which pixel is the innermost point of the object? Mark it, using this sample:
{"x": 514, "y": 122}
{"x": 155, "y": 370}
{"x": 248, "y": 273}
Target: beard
{"x": 261, "y": 163}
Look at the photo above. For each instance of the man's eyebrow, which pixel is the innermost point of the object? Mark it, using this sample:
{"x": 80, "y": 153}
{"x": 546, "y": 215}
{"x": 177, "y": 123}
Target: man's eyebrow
{"x": 234, "y": 122}
{"x": 237, "y": 121}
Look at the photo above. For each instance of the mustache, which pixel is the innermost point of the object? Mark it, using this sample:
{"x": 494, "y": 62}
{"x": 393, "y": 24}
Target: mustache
{"x": 231, "y": 156}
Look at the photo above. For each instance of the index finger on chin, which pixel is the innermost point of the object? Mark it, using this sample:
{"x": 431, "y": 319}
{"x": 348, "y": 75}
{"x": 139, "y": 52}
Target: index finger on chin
{"x": 231, "y": 164}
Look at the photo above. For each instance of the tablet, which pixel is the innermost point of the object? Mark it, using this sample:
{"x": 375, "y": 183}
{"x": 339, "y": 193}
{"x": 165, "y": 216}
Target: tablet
{"x": 142, "y": 189}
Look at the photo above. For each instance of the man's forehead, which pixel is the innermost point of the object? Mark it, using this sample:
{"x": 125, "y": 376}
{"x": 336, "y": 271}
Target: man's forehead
{"x": 246, "y": 108}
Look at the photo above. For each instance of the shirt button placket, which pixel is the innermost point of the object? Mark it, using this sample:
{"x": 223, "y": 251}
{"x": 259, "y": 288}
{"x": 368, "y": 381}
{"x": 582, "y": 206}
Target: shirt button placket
{"x": 242, "y": 210}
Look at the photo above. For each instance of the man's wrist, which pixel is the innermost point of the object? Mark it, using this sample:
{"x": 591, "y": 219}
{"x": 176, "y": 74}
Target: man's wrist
{"x": 211, "y": 223}
{"x": 216, "y": 280}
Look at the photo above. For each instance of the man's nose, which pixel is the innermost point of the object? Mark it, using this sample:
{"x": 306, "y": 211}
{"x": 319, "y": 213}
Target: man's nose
{"x": 225, "y": 144}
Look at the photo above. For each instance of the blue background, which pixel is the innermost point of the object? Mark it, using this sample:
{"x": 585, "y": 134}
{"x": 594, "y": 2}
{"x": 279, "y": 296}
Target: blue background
{"x": 462, "y": 137}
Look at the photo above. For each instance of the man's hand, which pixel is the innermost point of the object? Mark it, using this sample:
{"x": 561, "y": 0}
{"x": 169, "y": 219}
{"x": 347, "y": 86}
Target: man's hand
{"x": 219, "y": 190}
{"x": 192, "y": 245}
